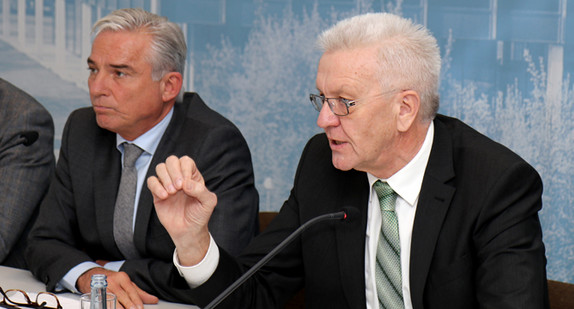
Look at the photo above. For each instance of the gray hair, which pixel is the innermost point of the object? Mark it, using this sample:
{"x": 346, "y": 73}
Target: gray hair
{"x": 168, "y": 43}
{"x": 409, "y": 56}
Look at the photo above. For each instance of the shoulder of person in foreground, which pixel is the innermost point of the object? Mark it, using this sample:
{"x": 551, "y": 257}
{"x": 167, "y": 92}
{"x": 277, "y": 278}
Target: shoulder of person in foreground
{"x": 26, "y": 166}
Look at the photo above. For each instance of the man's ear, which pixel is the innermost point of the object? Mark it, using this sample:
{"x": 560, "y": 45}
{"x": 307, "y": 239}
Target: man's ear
{"x": 171, "y": 84}
{"x": 410, "y": 105}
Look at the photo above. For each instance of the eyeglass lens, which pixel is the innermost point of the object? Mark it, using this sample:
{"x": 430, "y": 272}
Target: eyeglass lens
{"x": 337, "y": 106}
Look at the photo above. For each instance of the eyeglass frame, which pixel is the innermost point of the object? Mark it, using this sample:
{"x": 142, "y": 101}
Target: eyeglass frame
{"x": 6, "y": 301}
{"x": 347, "y": 102}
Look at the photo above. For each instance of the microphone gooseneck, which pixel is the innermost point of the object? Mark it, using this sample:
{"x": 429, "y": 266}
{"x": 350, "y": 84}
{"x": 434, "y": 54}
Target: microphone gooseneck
{"x": 346, "y": 214}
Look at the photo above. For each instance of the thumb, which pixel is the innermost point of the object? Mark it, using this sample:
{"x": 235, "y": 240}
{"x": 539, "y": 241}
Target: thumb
{"x": 146, "y": 297}
{"x": 199, "y": 191}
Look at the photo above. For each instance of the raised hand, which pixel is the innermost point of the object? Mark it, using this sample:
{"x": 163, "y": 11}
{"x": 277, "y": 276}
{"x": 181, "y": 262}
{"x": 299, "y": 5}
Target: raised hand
{"x": 183, "y": 205}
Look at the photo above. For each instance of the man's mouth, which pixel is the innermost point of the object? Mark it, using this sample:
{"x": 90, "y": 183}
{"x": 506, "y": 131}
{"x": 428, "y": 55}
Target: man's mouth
{"x": 336, "y": 142}
{"x": 101, "y": 107}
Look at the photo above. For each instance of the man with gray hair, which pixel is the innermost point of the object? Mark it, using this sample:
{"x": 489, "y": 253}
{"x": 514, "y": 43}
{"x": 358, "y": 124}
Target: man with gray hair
{"x": 447, "y": 218}
{"x": 98, "y": 216}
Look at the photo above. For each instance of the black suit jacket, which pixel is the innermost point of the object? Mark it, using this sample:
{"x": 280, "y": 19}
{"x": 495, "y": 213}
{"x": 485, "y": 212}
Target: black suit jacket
{"x": 476, "y": 242}
{"x": 76, "y": 219}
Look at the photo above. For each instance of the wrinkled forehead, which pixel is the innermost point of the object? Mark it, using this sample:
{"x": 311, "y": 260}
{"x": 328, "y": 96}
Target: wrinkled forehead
{"x": 343, "y": 70}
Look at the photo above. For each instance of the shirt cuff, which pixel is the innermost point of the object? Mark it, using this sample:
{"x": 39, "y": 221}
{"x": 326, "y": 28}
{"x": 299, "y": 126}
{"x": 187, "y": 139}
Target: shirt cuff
{"x": 115, "y": 265}
{"x": 69, "y": 280}
{"x": 198, "y": 274}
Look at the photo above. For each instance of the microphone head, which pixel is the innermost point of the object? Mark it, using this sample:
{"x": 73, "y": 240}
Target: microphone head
{"x": 351, "y": 213}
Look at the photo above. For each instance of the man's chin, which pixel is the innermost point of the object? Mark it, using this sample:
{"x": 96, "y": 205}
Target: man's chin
{"x": 341, "y": 165}
{"x": 105, "y": 123}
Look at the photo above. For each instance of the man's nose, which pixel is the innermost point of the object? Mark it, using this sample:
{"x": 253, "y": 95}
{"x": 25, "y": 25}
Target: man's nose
{"x": 97, "y": 84}
{"x": 326, "y": 117}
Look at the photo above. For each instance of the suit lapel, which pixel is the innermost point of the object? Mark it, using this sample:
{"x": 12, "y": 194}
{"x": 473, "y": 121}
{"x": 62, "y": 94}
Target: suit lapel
{"x": 353, "y": 192}
{"x": 434, "y": 201}
{"x": 107, "y": 167}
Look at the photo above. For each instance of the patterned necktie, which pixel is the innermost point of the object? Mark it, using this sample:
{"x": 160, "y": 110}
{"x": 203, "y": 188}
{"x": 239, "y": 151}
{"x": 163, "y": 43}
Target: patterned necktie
{"x": 124, "y": 209}
{"x": 388, "y": 270}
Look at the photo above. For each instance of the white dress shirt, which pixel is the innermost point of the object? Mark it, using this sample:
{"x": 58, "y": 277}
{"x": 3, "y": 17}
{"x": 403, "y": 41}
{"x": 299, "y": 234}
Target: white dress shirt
{"x": 406, "y": 183}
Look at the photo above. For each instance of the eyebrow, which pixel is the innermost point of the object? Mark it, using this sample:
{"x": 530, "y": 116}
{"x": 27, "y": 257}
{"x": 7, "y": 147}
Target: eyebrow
{"x": 120, "y": 66}
{"x": 114, "y": 66}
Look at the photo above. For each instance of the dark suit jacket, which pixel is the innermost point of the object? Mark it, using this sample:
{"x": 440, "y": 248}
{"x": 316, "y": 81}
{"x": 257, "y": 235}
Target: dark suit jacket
{"x": 76, "y": 220}
{"x": 476, "y": 241}
{"x": 26, "y": 166}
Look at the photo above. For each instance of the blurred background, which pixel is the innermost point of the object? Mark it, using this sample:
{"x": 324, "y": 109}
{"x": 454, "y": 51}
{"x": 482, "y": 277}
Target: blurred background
{"x": 506, "y": 72}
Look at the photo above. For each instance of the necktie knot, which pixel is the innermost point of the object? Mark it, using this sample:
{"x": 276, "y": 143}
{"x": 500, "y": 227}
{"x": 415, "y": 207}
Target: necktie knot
{"x": 131, "y": 154}
{"x": 386, "y": 194}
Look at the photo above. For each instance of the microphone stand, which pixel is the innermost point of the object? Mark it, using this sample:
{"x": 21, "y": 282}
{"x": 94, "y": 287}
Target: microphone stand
{"x": 336, "y": 215}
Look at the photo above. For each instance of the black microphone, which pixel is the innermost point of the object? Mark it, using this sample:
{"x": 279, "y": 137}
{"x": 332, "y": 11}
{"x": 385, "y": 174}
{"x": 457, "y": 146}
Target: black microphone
{"x": 29, "y": 137}
{"x": 346, "y": 214}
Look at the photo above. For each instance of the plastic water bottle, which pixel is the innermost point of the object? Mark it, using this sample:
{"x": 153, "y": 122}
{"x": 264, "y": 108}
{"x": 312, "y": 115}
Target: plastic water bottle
{"x": 98, "y": 285}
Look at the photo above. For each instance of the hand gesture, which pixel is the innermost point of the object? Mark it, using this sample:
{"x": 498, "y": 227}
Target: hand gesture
{"x": 183, "y": 205}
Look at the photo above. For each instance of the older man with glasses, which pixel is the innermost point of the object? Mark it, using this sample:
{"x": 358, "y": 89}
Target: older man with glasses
{"x": 447, "y": 217}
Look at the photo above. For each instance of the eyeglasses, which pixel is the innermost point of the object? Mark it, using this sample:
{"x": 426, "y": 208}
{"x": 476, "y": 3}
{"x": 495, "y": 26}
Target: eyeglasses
{"x": 14, "y": 298}
{"x": 339, "y": 106}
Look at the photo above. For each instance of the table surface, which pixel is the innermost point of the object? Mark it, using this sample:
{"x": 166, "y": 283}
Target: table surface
{"x": 12, "y": 278}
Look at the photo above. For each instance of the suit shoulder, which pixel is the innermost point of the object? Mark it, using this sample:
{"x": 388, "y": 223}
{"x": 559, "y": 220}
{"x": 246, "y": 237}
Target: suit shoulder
{"x": 318, "y": 144}
{"x": 198, "y": 131}
{"x": 15, "y": 101}
{"x": 469, "y": 145}
{"x": 198, "y": 111}
{"x": 317, "y": 156}
{"x": 82, "y": 125}
{"x": 467, "y": 138}
{"x": 82, "y": 116}
{"x": 83, "y": 112}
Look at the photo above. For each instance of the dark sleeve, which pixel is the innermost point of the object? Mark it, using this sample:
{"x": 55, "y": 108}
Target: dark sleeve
{"x": 53, "y": 242}
{"x": 508, "y": 241}
{"x": 275, "y": 283}
{"x": 26, "y": 165}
